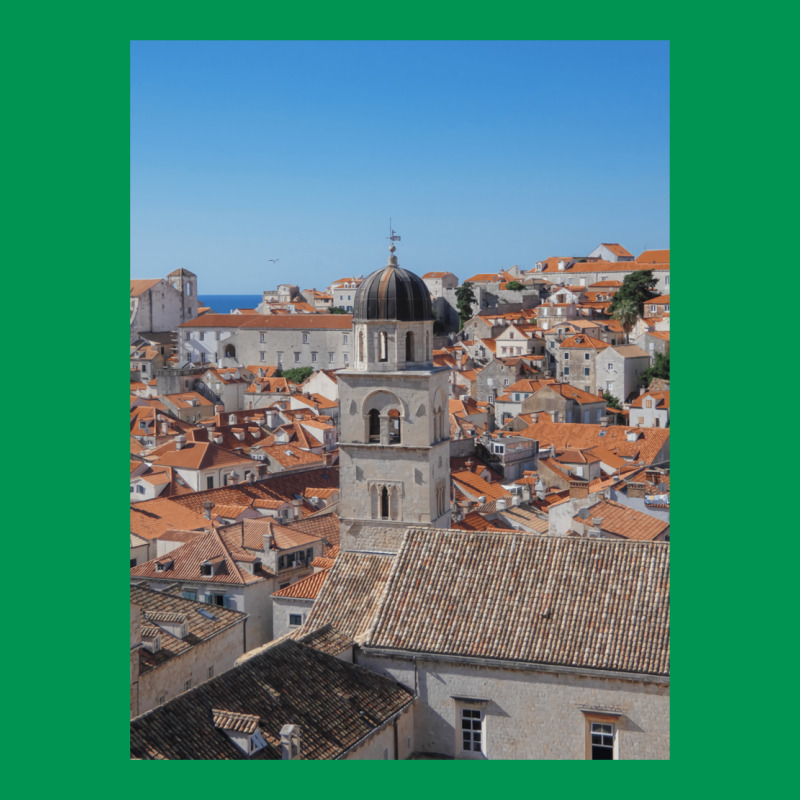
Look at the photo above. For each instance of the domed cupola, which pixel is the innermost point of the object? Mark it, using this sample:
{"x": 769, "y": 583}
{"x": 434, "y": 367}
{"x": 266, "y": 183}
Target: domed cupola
{"x": 393, "y": 320}
{"x": 392, "y": 294}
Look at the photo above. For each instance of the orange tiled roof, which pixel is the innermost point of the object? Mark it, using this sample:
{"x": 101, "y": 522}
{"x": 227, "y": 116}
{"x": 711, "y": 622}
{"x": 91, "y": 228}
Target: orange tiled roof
{"x": 141, "y": 286}
{"x": 625, "y": 522}
{"x": 617, "y": 249}
{"x": 583, "y": 340}
{"x": 654, "y": 257}
{"x": 306, "y": 588}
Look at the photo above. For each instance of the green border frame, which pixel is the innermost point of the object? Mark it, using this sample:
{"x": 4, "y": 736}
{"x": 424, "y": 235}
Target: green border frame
{"x": 68, "y": 68}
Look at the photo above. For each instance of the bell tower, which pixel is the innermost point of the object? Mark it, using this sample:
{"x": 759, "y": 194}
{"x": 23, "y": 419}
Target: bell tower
{"x": 394, "y": 444}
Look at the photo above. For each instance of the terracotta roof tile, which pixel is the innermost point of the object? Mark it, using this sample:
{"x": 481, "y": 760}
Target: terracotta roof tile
{"x": 585, "y": 603}
{"x": 306, "y": 588}
{"x": 348, "y": 601}
{"x": 625, "y": 522}
{"x": 335, "y": 704}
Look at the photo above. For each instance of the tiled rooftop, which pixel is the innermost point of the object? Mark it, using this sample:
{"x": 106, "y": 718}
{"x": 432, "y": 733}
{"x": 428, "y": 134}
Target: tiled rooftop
{"x": 589, "y": 603}
{"x": 335, "y": 704}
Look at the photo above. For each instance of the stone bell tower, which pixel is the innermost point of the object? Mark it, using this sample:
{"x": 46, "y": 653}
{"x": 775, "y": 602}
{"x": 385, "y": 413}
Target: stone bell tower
{"x": 394, "y": 445}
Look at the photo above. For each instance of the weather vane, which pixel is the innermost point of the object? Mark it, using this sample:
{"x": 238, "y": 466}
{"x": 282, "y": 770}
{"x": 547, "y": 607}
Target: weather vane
{"x": 393, "y": 237}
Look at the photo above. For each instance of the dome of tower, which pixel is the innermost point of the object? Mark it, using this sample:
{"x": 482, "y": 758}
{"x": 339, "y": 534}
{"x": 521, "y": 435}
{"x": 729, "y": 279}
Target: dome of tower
{"x": 392, "y": 293}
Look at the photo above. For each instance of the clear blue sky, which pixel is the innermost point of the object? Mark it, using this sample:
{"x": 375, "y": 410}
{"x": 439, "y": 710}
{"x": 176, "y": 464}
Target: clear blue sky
{"x": 484, "y": 154}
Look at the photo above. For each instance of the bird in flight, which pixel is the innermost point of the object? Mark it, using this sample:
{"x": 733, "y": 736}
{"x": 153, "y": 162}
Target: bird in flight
{"x": 273, "y": 260}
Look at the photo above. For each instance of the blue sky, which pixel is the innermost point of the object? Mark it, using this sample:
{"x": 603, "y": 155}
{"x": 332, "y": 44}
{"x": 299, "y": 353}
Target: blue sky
{"x": 484, "y": 154}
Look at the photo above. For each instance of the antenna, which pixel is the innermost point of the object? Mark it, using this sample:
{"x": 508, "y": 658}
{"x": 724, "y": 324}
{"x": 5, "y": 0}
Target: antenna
{"x": 393, "y": 237}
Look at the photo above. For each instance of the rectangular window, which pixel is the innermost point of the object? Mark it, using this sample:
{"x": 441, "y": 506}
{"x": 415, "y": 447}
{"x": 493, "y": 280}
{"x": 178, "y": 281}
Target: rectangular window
{"x": 666, "y": 280}
{"x": 344, "y": 339}
{"x": 188, "y": 594}
{"x": 310, "y": 554}
{"x": 297, "y": 358}
{"x": 346, "y": 358}
{"x": 305, "y": 338}
{"x": 330, "y": 358}
{"x": 586, "y": 371}
{"x": 602, "y": 741}
{"x": 210, "y": 672}
{"x": 566, "y": 370}
{"x": 262, "y": 337}
{"x": 263, "y": 355}
{"x": 313, "y": 358}
{"x": 471, "y": 730}
{"x": 566, "y": 356}
{"x": 201, "y": 335}
{"x": 295, "y": 619}
{"x": 133, "y": 562}
{"x": 187, "y": 685}
{"x": 210, "y": 482}
{"x": 585, "y": 356}
{"x": 280, "y": 357}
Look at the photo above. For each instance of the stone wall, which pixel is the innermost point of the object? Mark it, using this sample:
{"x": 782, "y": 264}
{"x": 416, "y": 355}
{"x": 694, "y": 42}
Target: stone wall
{"x": 529, "y": 714}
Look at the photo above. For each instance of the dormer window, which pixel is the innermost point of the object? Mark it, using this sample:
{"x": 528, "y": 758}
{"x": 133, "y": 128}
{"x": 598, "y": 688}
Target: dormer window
{"x": 207, "y": 569}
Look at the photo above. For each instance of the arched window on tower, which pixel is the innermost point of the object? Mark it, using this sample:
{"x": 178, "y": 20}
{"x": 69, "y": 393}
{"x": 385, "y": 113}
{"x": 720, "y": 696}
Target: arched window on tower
{"x": 394, "y": 426}
{"x": 383, "y": 347}
{"x": 361, "y": 355}
{"x": 188, "y": 289}
{"x": 410, "y": 346}
{"x": 374, "y": 425}
{"x": 384, "y": 503}
{"x": 230, "y": 351}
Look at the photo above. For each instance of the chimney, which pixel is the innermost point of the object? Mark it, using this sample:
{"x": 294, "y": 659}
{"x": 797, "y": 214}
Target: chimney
{"x": 296, "y": 513}
{"x": 267, "y": 538}
{"x": 534, "y": 417}
{"x": 636, "y": 489}
{"x": 641, "y": 391}
{"x": 164, "y": 426}
{"x": 180, "y": 441}
{"x": 501, "y": 505}
{"x": 207, "y": 506}
{"x": 290, "y": 742}
{"x": 578, "y": 489}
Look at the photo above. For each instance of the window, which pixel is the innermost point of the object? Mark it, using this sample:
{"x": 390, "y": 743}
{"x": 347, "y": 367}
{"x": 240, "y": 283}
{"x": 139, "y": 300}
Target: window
{"x": 133, "y": 562}
{"x": 210, "y": 672}
{"x": 305, "y": 338}
{"x": 313, "y": 358}
{"x": 262, "y": 337}
{"x": 384, "y": 503}
{"x": 344, "y": 339}
{"x": 472, "y": 730}
{"x": 295, "y": 619}
{"x": 280, "y": 357}
{"x": 330, "y": 358}
{"x": 201, "y": 335}
{"x": 383, "y": 352}
{"x": 297, "y": 358}
{"x": 566, "y": 370}
{"x": 346, "y": 358}
{"x": 374, "y": 425}
{"x": 263, "y": 355}
{"x": 187, "y": 685}
{"x": 602, "y": 741}
{"x": 210, "y": 482}
{"x": 206, "y": 569}
{"x": 189, "y": 594}
{"x": 666, "y": 280}
{"x": 586, "y": 371}
{"x": 610, "y": 366}
{"x": 585, "y": 356}
{"x": 566, "y": 356}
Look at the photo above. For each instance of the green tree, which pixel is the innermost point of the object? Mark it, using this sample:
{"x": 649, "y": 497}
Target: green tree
{"x": 613, "y": 402}
{"x": 339, "y": 310}
{"x": 659, "y": 369}
{"x": 298, "y": 374}
{"x": 627, "y": 313}
{"x": 638, "y": 287}
{"x": 465, "y": 298}
{"x": 515, "y": 286}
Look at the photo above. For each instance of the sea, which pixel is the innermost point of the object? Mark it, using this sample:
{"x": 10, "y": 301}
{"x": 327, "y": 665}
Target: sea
{"x": 225, "y": 303}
